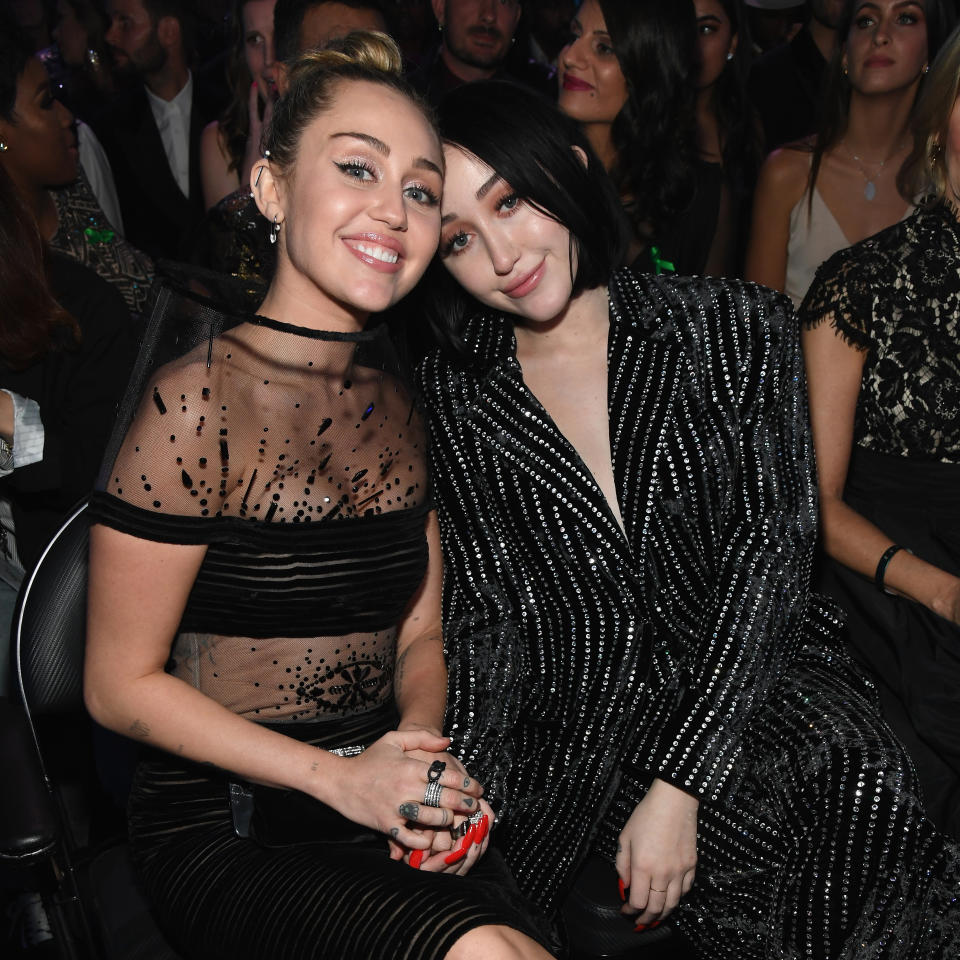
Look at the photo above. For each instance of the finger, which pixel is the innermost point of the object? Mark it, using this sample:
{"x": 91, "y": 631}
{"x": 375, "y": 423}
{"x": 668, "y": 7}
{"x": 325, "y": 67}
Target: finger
{"x": 638, "y": 893}
{"x": 396, "y": 851}
{"x": 253, "y": 103}
{"x": 440, "y": 818}
{"x": 656, "y": 902}
{"x": 674, "y": 892}
{"x": 411, "y": 839}
{"x": 456, "y": 780}
{"x": 421, "y": 740}
{"x": 687, "y": 884}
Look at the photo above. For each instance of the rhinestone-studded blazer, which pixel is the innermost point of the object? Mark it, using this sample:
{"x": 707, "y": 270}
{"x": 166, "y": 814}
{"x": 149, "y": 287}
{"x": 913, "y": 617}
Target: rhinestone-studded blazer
{"x": 579, "y": 656}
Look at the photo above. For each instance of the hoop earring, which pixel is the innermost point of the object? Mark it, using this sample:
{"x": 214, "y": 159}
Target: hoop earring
{"x": 275, "y": 229}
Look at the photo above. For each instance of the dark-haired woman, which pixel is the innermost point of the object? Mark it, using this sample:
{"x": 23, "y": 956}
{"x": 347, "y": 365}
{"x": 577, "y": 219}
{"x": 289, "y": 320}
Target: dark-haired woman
{"x": 230, "y": 146}
{"x": 264, "y": 609}
{"x": 624, "y": 478}
{"x": 66, "y": 350}
{"x": 728, "y": 127}
{"x": 630, "y": 77}
{"x": 814, "y": 199}
{"x": 882, "y": 346}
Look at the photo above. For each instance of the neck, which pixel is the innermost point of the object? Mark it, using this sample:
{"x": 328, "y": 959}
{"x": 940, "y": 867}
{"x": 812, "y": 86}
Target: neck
{"x": 585, "y": 317}
{"x": 39, "y": 201}
{"x": 169, "y": 80}
{"x": 878, "y": 125}
{"x": 294, "y": 299}
{"x": 601, "y": 140}
{"x": 708, "y": 130}
{"x": 824, "y": 37}
{"x": 465, "y": 71}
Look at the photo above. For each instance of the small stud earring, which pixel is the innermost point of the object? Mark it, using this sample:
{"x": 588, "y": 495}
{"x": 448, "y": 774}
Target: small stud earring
{"x": 275, "y": 229}
{"x": 729, "y": 54}
{"x": 926, "y": 68}
{"x": 3, "y": 147}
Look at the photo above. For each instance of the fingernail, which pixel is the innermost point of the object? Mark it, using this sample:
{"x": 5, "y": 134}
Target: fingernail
{"x": 486, "y": 826}
{"x": 255, "y": 85}
{"x": 623, "y": 895}
{"x": 639, "y": 928}
{"x": 416, "y": 858}
{"x": 480, "y": 832}
{"x": 655, "y": 924}
{"x": 454, "y": 857}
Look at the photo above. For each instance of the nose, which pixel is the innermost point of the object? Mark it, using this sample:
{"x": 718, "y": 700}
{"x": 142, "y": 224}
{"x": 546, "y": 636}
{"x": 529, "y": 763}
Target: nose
{"x": 111, "y": 35}
{"x": 66, "y": 117}
{"x": 881, "y": 33}
{"x": 390, "y": 209}
{"x": 503, "y": 253}
{"x": 269, "y": 52}
{"x": 488, "y": 10}
{"x": 572, "y": 54}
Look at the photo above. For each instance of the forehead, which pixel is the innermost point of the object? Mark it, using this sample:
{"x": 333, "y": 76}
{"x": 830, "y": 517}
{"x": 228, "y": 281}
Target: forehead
{"x": 128, "y": 8}
{"x": 360, "y": 106}
{"x": 328, "y": 21}
{"x": 706, "y": 8}
{"x": 467, "y": 9}
{"x": 465, "y": 174}
{"x": 258, "y": 14}
{"x": 33, "y": 78}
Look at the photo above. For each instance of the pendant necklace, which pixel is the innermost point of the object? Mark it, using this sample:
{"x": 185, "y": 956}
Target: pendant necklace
{"x": 870, "y": 187}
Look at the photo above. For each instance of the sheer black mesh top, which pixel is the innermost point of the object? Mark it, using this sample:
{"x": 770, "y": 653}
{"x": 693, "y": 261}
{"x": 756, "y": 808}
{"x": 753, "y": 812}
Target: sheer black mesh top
{"x": 297, "y": 457}
{"x": 896, "y": 296}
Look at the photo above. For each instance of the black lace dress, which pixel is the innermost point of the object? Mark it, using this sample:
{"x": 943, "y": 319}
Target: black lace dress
{"x": 297, "y": 458}
{"x": 896, "y": 297}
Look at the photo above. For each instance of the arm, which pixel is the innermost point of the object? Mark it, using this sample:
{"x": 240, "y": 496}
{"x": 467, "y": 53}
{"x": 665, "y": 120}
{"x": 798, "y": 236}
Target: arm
{"x": 834, "y": 369}
{"x": 217, "y": 178}
{"x": 138, "y": 590}
{"x": 780, "y": 186}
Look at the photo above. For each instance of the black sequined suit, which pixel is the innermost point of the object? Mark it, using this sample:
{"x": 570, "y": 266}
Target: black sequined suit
{"x": 585, "y": 661}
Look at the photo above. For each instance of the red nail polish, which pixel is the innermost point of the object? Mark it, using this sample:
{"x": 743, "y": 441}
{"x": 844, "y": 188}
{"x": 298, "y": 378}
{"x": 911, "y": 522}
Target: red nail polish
{"x": 455, "y": 857}
{"x": 483, "y": 829}
{"x": 416, "y": 858}
{"x": 655, "y": 924}
{"x": 639, "y": 928}
{"x": 623, "y": 895}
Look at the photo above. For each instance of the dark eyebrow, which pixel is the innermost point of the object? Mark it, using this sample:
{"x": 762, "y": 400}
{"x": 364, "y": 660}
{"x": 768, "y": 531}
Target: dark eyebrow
{"x": 422, "y": 163}
{"x": 486, "y": 187}
{"x": 374, "y": 142}
{"x": 708, "y": 16}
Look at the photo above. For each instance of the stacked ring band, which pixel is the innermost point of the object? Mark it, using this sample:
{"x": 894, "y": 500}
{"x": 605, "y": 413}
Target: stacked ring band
{"x": 431, "y": 796}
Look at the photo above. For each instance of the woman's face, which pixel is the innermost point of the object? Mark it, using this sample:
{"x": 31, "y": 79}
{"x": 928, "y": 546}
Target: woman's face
{"x": 70, "y": 35}
{"x": 258, "y": 46}
{"x": 886, "y": 49}
{"x": 715, "y": 38}
{"x": 360, "y": 210}
{"x": 592, "y": 86}
{"x": 498, "y": 247}
{"x": 41, "y": 142}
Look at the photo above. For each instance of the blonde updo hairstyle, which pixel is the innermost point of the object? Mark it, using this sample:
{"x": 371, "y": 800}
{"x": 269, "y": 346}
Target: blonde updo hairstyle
{"x": 312, "y": 87}
{"x": 924, "y": 172}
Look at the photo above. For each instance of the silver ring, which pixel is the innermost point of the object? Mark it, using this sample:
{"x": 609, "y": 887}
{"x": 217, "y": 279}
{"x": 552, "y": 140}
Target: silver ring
{"x": 431, "y": 796}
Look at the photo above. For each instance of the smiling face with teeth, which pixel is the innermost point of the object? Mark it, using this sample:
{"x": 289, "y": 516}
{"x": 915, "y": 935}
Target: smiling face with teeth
{"x": 359, "y": 209}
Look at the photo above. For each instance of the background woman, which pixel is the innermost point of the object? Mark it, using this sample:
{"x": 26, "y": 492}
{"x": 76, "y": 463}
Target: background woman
{"x": 38, "y": 151}
{"x": 629, "y": 77}
{"x": 815, "y": 199}
{"x": 624, "y": 481}
{"x": 231, "y": 145}
{"x": 265, "y": 580}
{"x": 882, "y": 340}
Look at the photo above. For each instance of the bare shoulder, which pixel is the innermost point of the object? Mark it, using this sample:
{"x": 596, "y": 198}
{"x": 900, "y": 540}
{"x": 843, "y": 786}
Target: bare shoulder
{"x": 786, "y": 170}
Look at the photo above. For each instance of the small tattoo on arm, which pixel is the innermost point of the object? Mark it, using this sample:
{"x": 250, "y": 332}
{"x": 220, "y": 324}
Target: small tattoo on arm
{"x": 399, "y": 670}
{"x": 410, "y": 811}
{"x": 139, "y": 729}
{"x": 314, "y": 765}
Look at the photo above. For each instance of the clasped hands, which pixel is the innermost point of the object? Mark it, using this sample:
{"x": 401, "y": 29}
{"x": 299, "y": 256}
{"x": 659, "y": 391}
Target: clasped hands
{"x": 385, "y": 788}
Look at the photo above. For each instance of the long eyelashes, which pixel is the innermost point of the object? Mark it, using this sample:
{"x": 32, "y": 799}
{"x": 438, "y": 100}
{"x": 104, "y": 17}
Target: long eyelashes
{"x": 450, "y": 247}
{"x": 364, "y": 172}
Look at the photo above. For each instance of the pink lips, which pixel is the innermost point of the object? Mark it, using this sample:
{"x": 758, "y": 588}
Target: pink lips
{"x": 878, "y": 62}
{"x": 575, "y": 83}
{"x": 527, "y": 283}
{"x": 383, "y": 254}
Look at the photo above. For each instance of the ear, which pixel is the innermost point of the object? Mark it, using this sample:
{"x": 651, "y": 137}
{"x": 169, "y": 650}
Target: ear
{"x": 267, "y": 190}
{"x": 168, "y": 32}
{"x": 581, "y": 154}
{"x": 438, "y": 9}
{"x": 734, "y": 41}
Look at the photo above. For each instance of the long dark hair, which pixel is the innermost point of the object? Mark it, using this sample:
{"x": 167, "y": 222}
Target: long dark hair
{"x": 32, "y": 322}
{"x": 16, "y": 51}
{"x": 740, "y": 141}
{"x": 234, "y": 123}
{"x": 530, "y": 144}
{"x": 835, "y": 102}
{"x": 655, "y": 134}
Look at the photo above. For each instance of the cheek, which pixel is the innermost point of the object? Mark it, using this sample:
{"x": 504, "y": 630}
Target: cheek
{"x": 612, "y": 89}
{"x": 254, "y": 58}
{"x": 472, "y": 271}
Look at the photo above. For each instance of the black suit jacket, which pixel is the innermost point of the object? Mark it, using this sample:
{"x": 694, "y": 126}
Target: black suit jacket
{"x": 157, "y": 217}
{"x": 581, "y": 653}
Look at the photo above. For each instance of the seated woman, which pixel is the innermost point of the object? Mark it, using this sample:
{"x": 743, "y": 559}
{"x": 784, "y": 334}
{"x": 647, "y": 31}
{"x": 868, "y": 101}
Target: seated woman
{"x": 230, "y": 146}
{"x": 624, "y": 478}
{"x": 814, "y": 198}
{"x": 38, "y": 151}
{"x": 881, "y": 340}
{"x": 265, "y": 581}
{"x": 634, "y": 77}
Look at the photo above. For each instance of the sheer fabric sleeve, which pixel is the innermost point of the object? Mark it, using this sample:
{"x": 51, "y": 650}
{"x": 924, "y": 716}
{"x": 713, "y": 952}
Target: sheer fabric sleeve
{"x": 842, "y": 294}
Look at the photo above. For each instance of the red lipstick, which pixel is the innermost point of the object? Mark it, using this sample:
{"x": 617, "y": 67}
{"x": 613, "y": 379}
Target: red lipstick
{"x": 571, "y": 82}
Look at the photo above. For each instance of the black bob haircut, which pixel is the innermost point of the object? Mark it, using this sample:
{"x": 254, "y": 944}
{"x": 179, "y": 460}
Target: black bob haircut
{"x": 527, "y": 141}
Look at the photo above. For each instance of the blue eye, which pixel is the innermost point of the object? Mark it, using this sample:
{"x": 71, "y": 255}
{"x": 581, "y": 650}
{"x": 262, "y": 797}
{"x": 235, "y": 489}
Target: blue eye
{"x": 455, "y": 244}
{"x": 422, "y": 194}
{"x": 356, "y": 170}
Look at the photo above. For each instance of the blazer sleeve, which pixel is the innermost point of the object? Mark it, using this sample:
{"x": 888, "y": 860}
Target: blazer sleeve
{"x": 735, "y": 591}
